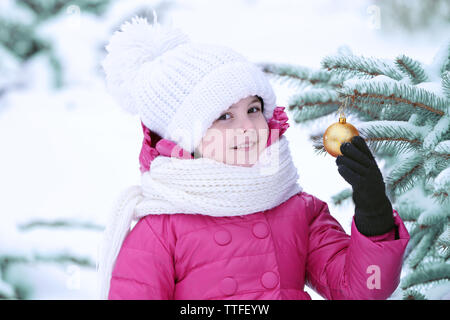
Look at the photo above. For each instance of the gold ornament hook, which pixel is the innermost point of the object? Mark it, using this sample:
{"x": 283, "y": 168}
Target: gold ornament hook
{"x": 341, "y": 109}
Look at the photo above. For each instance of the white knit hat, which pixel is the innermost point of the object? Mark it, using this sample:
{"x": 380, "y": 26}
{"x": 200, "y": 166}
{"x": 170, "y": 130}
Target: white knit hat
{"x": 178, "y": 88}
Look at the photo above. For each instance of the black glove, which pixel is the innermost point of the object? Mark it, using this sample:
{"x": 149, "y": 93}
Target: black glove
{"x": 373, "y": 210}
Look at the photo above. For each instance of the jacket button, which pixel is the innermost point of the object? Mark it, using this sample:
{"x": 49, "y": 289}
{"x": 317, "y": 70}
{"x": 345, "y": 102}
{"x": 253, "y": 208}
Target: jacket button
{"x": 269, "y": 280}
{"x": 260, "y": 230}
{"x": 222, "y": 237}
{"x": 228, "y": 286}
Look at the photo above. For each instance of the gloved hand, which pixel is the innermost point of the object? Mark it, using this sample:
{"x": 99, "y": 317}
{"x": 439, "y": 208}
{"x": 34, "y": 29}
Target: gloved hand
{"x": 373, "y": 210}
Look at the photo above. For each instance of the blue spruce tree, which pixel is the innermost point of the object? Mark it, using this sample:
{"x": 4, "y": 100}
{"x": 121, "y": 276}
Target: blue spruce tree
{"x": 404, "y": 109}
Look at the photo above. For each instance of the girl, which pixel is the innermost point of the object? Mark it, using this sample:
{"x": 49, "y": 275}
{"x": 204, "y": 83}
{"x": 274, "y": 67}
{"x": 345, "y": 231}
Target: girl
{"x": 220, "y": 214}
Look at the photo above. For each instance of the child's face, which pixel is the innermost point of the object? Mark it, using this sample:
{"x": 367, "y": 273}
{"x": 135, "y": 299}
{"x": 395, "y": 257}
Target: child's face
{"x": 242, "y": 122}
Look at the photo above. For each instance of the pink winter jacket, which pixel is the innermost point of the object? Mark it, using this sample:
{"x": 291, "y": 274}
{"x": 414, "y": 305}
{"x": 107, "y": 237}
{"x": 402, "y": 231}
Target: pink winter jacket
{"x": 266, "y": 255}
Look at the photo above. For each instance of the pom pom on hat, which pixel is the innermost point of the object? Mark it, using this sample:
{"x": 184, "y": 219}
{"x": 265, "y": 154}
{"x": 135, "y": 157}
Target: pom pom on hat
{"x": 136, "y": 43}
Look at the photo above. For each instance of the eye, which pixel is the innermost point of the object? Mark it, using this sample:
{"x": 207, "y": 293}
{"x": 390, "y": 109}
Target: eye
{"x": 257, "y": 109}
{"x": 222, "y": 116}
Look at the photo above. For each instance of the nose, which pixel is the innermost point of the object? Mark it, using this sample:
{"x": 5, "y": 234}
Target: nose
{"x": 245, "y": 125}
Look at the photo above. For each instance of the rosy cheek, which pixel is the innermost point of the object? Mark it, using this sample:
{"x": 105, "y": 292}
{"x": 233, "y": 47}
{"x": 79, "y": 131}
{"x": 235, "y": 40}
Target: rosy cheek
{"x": 214, "y": 146}
{"x": 263, "y": 132}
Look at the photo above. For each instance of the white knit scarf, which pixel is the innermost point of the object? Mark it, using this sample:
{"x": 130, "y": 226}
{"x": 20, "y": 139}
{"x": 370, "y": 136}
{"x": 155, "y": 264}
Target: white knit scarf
{"x": 199, "y": 186}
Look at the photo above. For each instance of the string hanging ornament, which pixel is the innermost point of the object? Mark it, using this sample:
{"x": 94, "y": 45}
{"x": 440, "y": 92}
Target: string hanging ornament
{"x": 339, "y": 133}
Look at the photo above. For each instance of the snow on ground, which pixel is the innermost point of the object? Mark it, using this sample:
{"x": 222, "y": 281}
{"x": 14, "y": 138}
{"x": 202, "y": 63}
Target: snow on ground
{"x": 67, "y": 154}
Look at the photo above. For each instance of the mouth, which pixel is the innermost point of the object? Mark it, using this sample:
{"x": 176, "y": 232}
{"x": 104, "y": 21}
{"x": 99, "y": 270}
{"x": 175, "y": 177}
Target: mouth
{"x": 245, "y": 146}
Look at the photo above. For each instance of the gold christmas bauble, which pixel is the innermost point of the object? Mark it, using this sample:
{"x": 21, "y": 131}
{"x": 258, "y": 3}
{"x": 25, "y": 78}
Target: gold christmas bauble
{"x": 337, "y": 134}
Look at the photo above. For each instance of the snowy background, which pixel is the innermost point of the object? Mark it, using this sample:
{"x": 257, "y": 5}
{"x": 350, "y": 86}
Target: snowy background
{"x": 66, "y": 152}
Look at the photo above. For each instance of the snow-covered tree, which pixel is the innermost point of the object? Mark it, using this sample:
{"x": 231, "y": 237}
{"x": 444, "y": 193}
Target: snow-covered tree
{"x": 20, "y": 24}
{"x": 412, "y": 15}
{"x": 48, "y": 249}
{"x": 404, "y": 111}
{"x": 33, "y": 252}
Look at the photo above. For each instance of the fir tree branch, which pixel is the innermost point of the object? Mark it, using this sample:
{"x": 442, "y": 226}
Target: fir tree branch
{"x": 59, "y": 224}
{"x": 299, "y": 74}
{"x": 439, "y": 131}
{"x": 421, "y": 249}
{"x": 405, "y": 174}
{"x": 446, "y": 61}
{"x": 417, "y": 229}
{"x": 408, "y": 99}
{"x": 441, "y": 196}
{"x": 435, "y": 163}
{"x": 313, "y": 104}
{"x": 359, "y": 67}
{"x": 408, "y": 211}
{"x": 427, "y": 273}
{"x": 428, "y": 288}
{"x": 443, "y": 148}
{"x": 412, "y": 68}
{"x": 411, "y": 294}
{"x": 416, "y": 235}
{"x": 21, "y": 39}
{"x": 433, "y": 216}
{"x": 442, "y": 186}
{"x": 343, "y": 195}
{"x": 356, "y": 107}
{"x": 43, "y": 10}
{"x": 47, "y": 9}
{"x": 392, "y": 137}
{"x": 445, "y": 81}
{"x": 318, "y": 147}
{"x": 49, "y": 258}
{"x": 443, "y": 243}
